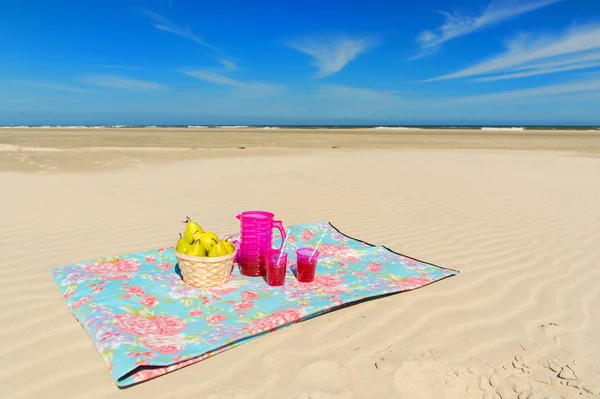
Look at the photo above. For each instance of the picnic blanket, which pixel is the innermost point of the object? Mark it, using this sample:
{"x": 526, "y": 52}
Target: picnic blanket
{"x": 145, "y": 321}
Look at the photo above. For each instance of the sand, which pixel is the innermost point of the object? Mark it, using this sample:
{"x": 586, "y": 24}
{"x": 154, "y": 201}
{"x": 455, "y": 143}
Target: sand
{"x": 520, "y": 223}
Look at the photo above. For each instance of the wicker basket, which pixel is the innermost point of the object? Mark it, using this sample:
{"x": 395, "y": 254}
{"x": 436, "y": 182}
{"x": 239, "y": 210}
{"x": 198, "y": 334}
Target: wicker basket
{"x": 201, "y": 271}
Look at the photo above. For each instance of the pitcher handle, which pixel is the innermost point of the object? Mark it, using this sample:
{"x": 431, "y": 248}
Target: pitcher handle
{"x": 277, "y": 224}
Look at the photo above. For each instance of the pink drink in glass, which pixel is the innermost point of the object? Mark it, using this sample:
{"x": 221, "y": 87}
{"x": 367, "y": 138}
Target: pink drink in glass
{"x": 276, "y": 268}
{"x": 306, "y": 263}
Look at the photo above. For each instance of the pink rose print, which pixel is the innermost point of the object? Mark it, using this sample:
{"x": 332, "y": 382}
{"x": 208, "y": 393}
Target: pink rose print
{"x": 374, "y": 267}
{"x": 347, "y": 255}
{"x": 120, "y": 265}
{"x": 137, "y": 325}
{"x": 244, "y": 305}
{"x": 215, "y": 318}
{"x": 135, "y": 291}
{"x": 337, "y": 302}
{"x": 273, "y": 321}
{"x": 329, "y": 249}
{"x": 134, "y": 354}
{"x": 411, "y": 282}
{"x": 120, "y": 269}
{"x": 169, "y": 325}
{"x": 111, "y": 276}
{"x": 329, "y": 280}
{"x": 147, "y": 374}
{"x": 325, "y": 284}
{"x": 149, "y": 300}
{"x": 359, "y": 274}
{"x": 150, "y": 259}
{"x": 292, "y": 239}
{"x": 307, "y": 235}
{"x": 223, "y": 289}
{"x": 81, "y": 301}
{"x": 164, "y": 266}
{"x": 249, "y": 295}
{"x": 70, "y": 294}
{"x": 161, "y": 250}
{"x": 196, "y": 312}
{"x": 165, "y": 344}
{"x": 97, "y": 290}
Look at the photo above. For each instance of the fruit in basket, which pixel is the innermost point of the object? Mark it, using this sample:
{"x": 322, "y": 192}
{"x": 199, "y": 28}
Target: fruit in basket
{"x": 197, "y": 234}
{"x": 191, "y": 228}
{"x": 229, "y": 246}
{"x": 219, "y": 249}
{"x": 208, "y": 240}
{"x": 196, "y": 249}
{"x": 182, "y": 245}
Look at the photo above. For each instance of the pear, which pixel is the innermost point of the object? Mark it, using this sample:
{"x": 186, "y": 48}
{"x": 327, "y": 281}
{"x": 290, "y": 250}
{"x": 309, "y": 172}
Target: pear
{"x": 182, "y": 245}
{"x": 229, "y": 246}
{"x": 196, "y": 249}
{"x": 191, "y": 228}
{"x": 219, "y": 249}
{"x": 208, "y": 240}
{"x": 197, "y": 234}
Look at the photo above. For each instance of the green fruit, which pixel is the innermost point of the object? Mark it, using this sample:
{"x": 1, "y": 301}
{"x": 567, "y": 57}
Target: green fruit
{"x": 219, "y": 249}
{"x": 191, "y": 228}
{"x": 229, "y": 246}
{"x": 196, "y": 249}
{"x": 208, "y": 240}
{"x": 183, "y": 246}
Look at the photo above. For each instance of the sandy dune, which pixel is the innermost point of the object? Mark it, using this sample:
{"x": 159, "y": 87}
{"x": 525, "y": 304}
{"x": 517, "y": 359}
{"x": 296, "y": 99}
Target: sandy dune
{"x": 519, "y": 321}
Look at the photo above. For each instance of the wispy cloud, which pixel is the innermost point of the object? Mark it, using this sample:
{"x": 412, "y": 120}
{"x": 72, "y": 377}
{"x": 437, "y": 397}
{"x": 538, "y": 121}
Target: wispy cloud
{"x": 118, "y": 82}
{"x": 458, "y": 24}
{"x": 212, "y": 77}
{"x": 54, "y": 86}
{"x": 332, "y": 54}
{"x": 250, "y": 89}
{"x": 164, "y": 24}
{"x": 580, "y": 86}
{"x": 228, "y": 64}
{"x": 575, "y": 49}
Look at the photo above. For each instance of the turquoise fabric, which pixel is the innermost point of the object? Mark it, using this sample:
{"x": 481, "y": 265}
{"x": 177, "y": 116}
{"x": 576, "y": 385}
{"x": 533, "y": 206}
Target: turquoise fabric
{"x": 145, "y": 321}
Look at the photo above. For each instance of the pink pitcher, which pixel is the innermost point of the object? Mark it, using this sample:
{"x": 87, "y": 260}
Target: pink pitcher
{"x": 256, "y": 236}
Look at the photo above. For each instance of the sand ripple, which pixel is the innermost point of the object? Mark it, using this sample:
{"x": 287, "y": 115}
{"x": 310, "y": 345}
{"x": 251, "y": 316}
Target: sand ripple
{"x": 518, "y": 322}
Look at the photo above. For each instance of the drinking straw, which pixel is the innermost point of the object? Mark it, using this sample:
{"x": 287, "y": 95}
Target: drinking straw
{"x": 319, "y": 243}
{"x": 287, "y": 234}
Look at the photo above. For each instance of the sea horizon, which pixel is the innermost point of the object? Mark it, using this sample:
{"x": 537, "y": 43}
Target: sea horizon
{"x": 313, "y": 126}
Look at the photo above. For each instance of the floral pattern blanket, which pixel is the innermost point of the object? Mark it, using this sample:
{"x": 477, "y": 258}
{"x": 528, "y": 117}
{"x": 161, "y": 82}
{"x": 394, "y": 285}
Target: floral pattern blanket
{"x": 145, "y": 321}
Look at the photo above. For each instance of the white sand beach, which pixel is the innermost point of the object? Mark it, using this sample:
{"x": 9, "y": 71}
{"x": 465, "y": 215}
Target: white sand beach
{"x": 518, "y": 213}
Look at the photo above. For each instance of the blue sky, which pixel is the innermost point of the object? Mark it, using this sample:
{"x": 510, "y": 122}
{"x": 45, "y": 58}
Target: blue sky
{"x": 300, "y": 62}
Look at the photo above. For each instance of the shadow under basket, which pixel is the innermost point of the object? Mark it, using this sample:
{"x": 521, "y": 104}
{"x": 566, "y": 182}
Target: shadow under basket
{"x": 204, "y": 271}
